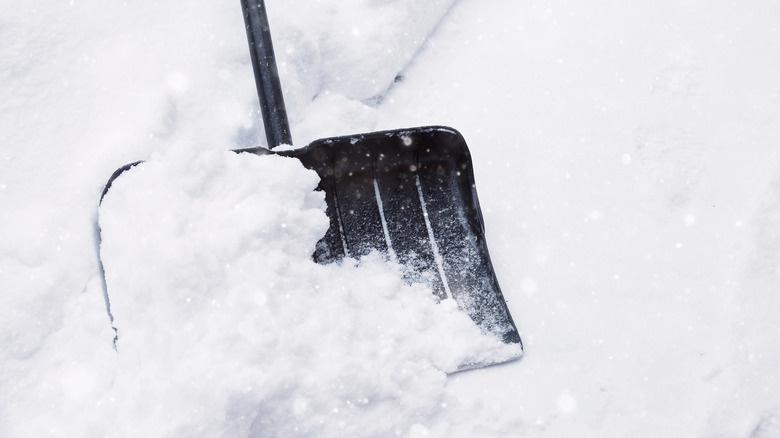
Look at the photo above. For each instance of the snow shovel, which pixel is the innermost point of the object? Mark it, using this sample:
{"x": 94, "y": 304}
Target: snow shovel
{"x": 407, "y": 193}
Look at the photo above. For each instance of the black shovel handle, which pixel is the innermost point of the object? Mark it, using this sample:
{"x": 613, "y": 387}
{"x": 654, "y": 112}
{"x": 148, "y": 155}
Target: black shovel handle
{"x": 269, "y": 88}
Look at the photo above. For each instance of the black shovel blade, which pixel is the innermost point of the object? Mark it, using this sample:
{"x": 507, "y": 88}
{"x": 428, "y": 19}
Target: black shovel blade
{"x": 410, "y": 194}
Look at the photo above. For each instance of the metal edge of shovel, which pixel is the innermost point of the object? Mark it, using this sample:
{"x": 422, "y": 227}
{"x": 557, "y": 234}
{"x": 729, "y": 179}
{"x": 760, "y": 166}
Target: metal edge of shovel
{"x": 407, "y": 193}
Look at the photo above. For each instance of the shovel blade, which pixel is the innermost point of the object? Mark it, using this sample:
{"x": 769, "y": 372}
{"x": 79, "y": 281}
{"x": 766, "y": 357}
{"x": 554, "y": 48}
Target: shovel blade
{"x": 410, "y": 194}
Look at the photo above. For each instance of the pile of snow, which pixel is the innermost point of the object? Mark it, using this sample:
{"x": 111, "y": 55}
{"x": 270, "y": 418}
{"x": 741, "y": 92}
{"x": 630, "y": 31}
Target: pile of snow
{"x": 226, "y": 327}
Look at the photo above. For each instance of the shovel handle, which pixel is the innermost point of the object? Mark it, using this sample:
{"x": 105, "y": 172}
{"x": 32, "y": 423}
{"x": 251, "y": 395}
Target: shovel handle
{"x": 269, "y": 88}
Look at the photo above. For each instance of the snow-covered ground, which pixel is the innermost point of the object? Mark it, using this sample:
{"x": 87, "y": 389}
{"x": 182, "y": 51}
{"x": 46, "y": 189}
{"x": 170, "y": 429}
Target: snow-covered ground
{"x": 627, "y": 167}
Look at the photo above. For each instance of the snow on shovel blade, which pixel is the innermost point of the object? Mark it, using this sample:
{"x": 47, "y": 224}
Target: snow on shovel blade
{"x": 410, "y": 194}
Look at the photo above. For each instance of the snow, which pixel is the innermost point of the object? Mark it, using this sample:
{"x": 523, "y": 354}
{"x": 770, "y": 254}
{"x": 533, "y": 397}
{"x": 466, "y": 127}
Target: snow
{"x": 627, "y": 171}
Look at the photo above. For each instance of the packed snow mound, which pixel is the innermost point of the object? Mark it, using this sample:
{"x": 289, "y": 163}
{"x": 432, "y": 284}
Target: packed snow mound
{"x": 226, "y": 323}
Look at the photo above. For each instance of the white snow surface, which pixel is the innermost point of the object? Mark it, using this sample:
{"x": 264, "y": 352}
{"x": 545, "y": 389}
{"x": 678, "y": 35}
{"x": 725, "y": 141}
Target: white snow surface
{"x": 627, "y": 165}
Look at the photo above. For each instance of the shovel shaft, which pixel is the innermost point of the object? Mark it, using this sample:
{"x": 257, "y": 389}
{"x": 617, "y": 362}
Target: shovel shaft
{"x": 269, "y": 88}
